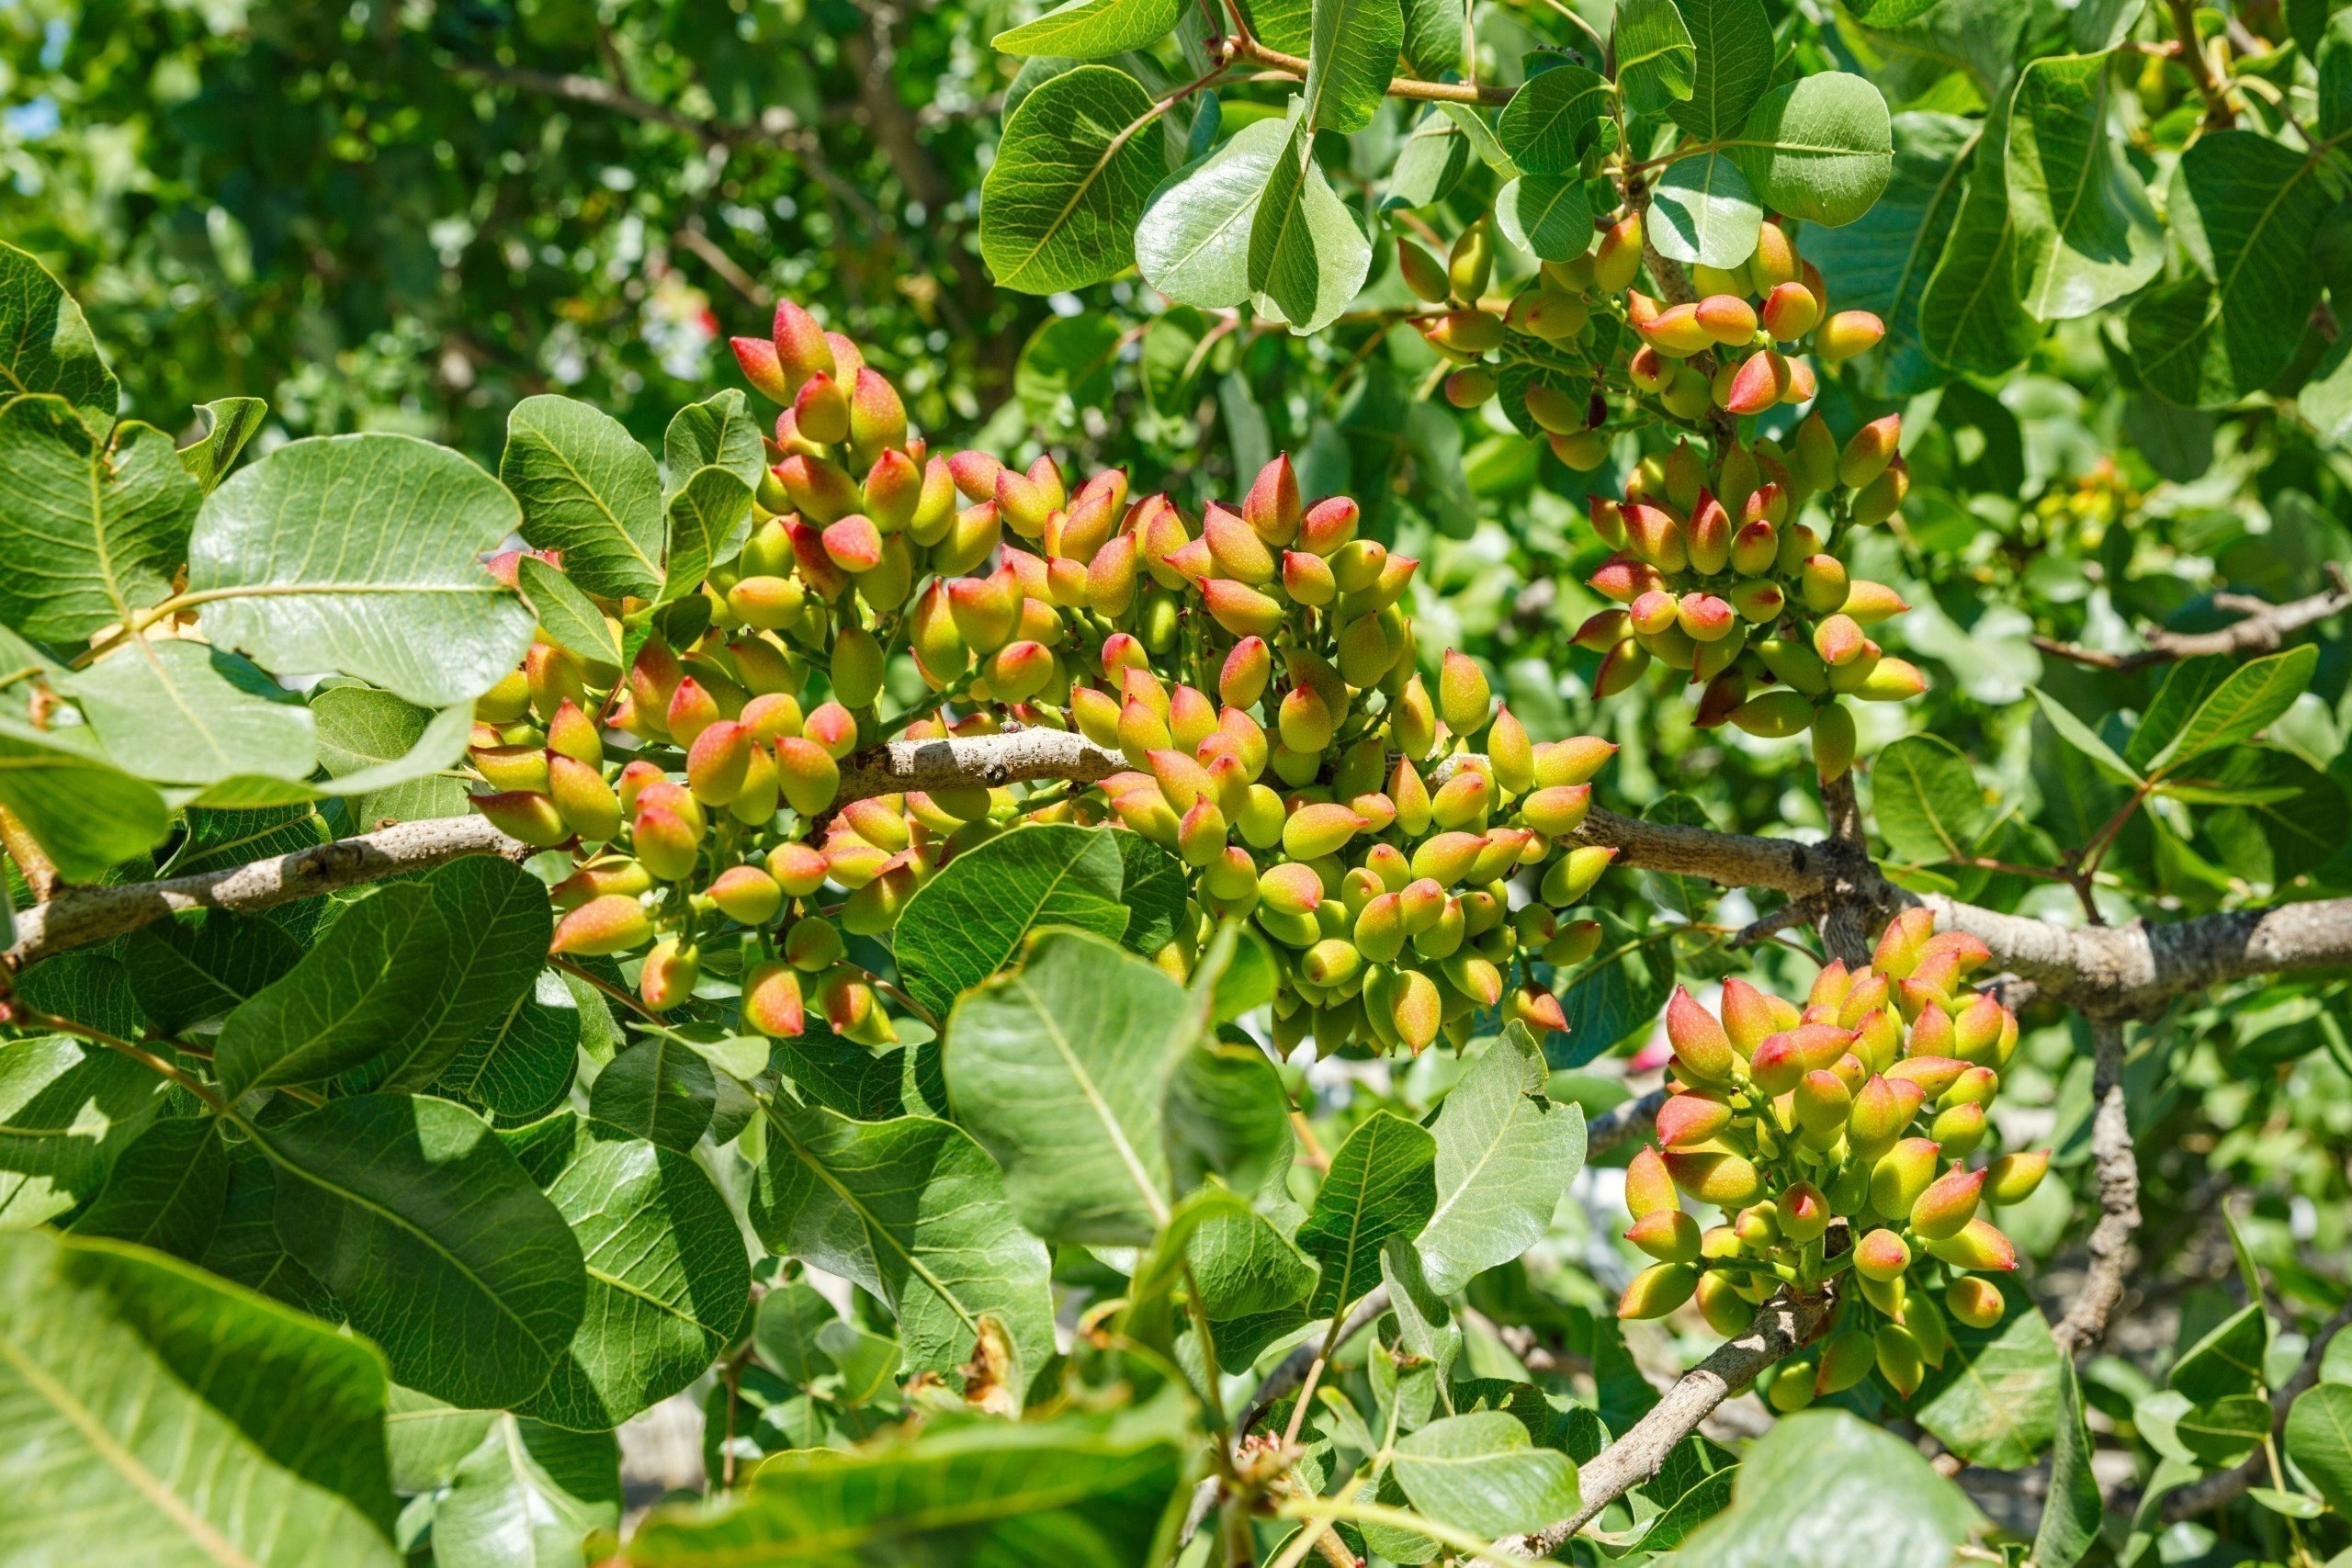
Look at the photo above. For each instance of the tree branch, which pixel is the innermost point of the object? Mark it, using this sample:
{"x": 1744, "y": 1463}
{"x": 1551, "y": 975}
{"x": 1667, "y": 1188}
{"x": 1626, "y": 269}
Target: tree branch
{"x": 2264, "y": 629}
{"x": 1783, "y": 1326}
{"x": 79, "y": 916}
{"x": 2117, "y": 1166}
{"x": 39, "y": 871}
{"x": 579, "y": 89}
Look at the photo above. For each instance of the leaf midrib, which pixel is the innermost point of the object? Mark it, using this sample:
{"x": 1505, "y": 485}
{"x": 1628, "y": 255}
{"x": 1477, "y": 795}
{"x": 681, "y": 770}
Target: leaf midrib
{"x": 1153, "y": 1201}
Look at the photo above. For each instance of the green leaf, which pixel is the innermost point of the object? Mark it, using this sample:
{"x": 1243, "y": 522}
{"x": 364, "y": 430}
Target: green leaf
{"x": 1928, "y": 804}
{"x": 1432, "y": 38}
{"x": 970, "y": 920}
{"x": 1969, "y": 318}
{"x": 1352, "y": 50}
{"x": 167, "y": 1190}
{"x": 68, "y": 1109}
{"x": 139, "y": 1392}
{"x": 914, "y": 1210}
{"x": 246, "y": 1246}
{"x": 528, "y": 1494}
{"x": 2284, "y": 816}
{"x": 1066, "y": 366}
{"x": 1827, "y": 1490}
{"x": 2227, "y": 1361}
{"x": 2186, "y": 685}
{"x": 2072, "y": 1513}
{"x": 586, "y": 489}
{"x": 1092, "y": 30}
{"x": 1552, "y": 119}
{"x": 1227, "y": 1114}
{"x": 1382, "y": 1183}
{"x": 1155, "y": 891}
{"x": 1059, "y": 1070}
{"x": 1819, "y": 148}
{"x": 90, "y": 533}
{"x": 1194, "y": 236}
{"x": 1882, "y": 260}
{"x": 398, "y": 985}
{"x": 669, "y": 1283}
{"x": 1076, "y": 1489}
{"x": 2335, "y": 55}
{"x": 1546, "y": 215}
{"x": 570, "y": 617}
{"x": 1657, "y": 65}
{"x": 229, "y": 422}
{"x": 1432, "y": 161}
{"x": 709, "y": 507}
{"x": 2086, "y": 234}
{"x": 2079, "y": 735}
{"x": 1483, "y": 1475}
{"x": 2225, "y": 1431}
{"x": 1244, "y": 1265}
{"x": 716, "y": 432}
{"x": 660, "y": 1090}
{"x": 2246, "y": 209}
{"x": 2293, "y": 1505}
{"x": 2319, "y": 1440}
{"x": 46, "y": 346}
{"x": 1503, "y": 1158}
{"x": 520, "y": 1066}
{"x": 361, "y": 554}
{"x": 389, "y": 756}
{"x": 434, "y": 1240}
{"x": 2239, "y": 708}
{"x": 203, "y": 964}
{"x": 86, "y": 813}
{"x": 1733, "y": 65}
{"x": 785, "y": 1329}
{"x": 1702, "y": 211}
{"x": 1425, "y": 1325}
{"x": 194, "y": 715}
{"x": 1996, "y": 1400}
{"x": 1059, "y": 206}
{"x": 1306, "y": 257}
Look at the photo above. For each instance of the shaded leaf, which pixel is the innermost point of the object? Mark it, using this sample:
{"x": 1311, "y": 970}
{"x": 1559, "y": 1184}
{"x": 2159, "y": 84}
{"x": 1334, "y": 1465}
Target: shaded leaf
{"x": 1927, "y": 801}
{"x": 1353, "y": 46}
{"x": 67, "y": 1110}
{"x": 1733, "y": 65}
{"x": 46, "y": 346}
{"x": 1092, "y": 30}
{"x": 2086, "y": 234}
{"x": 528, "y": 1494}
{"x": 229, "y": 422}
{"x": 971, "y": 920}
{"x": 203, "y": 964}
{"x": 1483, "y": 1475}
{"x": 660, "y": 1090}
{"x": 194, "y": 715}
{"x": 1702, "y": 211}
{"x": 89, "y": 534}
{"x": 1996, "y": 1400}
{"x": 718, "y": 431}
{"x": 1827, "y": 1490}
{"x": 137, "y": 1390}
{"x": 166, "y": 1189}
{"x": 1308, "y": 258}
{"x": 1503, "y": 1158}
{"x": 434, "y": 1240}
{"x": 1382, "y": 1184}
{"x": 1551, "y": 119}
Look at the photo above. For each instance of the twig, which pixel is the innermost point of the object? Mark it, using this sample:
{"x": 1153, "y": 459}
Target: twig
{"x": 2117, "y": 1166}
{"x": 1401, "y": 88}
{"x": 1290, "y": 1372}
{"x": 1631, "y": 1120}
{"x": 692, "y": 238}
{"x": 2264, "y": 629}
{"x": 1783, "y": 1326}
{"x": 41, "y": 872}
{"x": 2217, "y": 115}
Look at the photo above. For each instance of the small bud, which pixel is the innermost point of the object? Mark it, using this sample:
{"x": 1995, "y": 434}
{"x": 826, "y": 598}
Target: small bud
{"x": 1649, "y": 1189}
{"x": 1902, "y": 1174}
{"x": 1463, "y": 693}
{"x": 1882, "y": 1255}
{"x": 1667, "y": 1235}
{"x": 1846, "y": 334}
{"x": 1717, "y": 1177}
{"x": 1657, "y": 1291}
{"x": 669, "y": 975}
{"x": 1979, "y": 1247}
{"x": 612, "y": 923}
{"x": 1975, "y": 1302}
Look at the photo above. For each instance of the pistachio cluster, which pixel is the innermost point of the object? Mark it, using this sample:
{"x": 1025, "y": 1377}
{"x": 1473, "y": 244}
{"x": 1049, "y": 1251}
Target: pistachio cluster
{"x": 1255, "y": 667}
{"x": 1726, "y": 566}
{"x": 1835, "y": 1137}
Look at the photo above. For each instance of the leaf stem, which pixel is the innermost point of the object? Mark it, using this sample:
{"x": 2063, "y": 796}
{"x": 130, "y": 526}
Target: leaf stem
{"x": 1413, "y": 87}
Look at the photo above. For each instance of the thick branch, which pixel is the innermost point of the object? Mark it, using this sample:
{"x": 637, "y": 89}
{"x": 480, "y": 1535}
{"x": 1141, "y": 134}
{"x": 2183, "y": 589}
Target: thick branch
{"x": 39, "y": 871}
{"x": 79, "y": 916}
{"x": 2117, "y": 1166}
{"x": 1016, "y": 756}
{"x": 1780, "y": 1327}
{"x": 2264, "y": 629}
{"x": 1632, "y": 1120}
{"x": 2228, "y": 1486}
